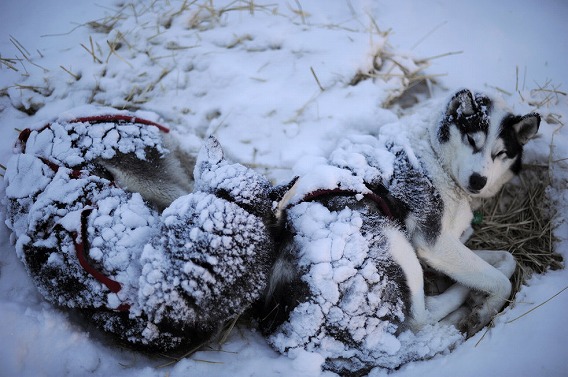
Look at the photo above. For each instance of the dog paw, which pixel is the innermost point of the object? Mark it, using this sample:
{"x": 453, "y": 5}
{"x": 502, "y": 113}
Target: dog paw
{"x": 473, "y": 323}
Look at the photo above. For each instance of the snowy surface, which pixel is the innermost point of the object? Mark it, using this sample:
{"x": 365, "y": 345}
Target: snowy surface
{"x": 273, "y": 88}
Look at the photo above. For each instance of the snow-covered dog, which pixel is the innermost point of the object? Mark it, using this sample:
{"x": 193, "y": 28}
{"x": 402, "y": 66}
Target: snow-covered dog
{"x": 83, "y": 196}
{"x": 349, "y": 283}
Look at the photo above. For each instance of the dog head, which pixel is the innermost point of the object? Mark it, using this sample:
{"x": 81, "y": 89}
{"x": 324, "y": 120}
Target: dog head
{"x": 480, "y": 143}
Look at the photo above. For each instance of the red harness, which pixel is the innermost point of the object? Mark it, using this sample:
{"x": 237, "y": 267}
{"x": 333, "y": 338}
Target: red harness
{"x": 376, "y": 198}
{"x": 119, "y": 119}
{"x": 80, "y": 251}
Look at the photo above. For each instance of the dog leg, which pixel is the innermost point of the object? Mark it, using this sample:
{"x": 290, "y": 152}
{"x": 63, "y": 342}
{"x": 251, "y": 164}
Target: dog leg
{"x": 403, "y": 253}
{"x": 425, "y": 309}
{"x": 500, "y": 259}
{"x": 445, "y": 305}
{"x": 456, "y": 317}
{"x": 449, "y": 256}
{"x": 440, "y": 306}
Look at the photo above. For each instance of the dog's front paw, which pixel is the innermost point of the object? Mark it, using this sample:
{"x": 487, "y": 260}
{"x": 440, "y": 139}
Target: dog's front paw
{"x": 470, "y": 324}
{"x": 474, "y": 322}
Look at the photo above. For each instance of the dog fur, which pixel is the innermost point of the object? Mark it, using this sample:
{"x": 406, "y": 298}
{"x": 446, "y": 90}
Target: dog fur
{"x": 478, "y": 145}
{"x": 158, "y": 281}
{"x": 160, "y": 178}
{"x": 468, "y": 152}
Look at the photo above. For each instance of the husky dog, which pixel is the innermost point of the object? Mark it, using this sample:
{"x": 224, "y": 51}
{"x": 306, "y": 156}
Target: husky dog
{"x": 82, "y": 201}
{"x": 159, "y": 178}
{"x": 349, "y": 282}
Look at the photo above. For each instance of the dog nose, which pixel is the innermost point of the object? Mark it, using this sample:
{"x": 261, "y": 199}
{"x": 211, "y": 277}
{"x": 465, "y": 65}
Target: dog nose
{"x": 477, "y": 182}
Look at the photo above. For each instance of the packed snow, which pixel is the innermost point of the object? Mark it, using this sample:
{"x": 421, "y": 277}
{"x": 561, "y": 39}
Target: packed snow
{"x": 280, "y": 85}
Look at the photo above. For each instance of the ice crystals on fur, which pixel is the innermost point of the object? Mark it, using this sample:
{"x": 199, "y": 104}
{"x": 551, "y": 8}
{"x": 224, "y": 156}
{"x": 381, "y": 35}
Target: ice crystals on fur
{"x": 354, "y": 306}
{"x": 157, "y": 281}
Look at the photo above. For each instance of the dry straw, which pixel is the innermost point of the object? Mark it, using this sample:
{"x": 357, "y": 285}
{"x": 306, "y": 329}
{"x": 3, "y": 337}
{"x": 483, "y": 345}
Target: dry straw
{"x": 409, "y": 71}
{"x": 519, "y": 220}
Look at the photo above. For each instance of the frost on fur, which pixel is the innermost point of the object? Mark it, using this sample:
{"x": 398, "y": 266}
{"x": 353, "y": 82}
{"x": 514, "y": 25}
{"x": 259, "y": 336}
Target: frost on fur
{"x": 358, "y": 222}
{"x": 350, "y": 299}
{"x": 156, "y": 281}
{"x": 232, "y": 181}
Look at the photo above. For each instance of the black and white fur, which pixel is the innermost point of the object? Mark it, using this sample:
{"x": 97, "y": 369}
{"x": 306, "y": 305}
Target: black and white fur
{"x": 475, "y": 149}
{"x": 470, "y": 152}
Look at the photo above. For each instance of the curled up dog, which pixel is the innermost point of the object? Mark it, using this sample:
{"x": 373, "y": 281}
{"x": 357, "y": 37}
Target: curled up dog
{"x": 348, "y": 282}
{"x": 87, "y": 213}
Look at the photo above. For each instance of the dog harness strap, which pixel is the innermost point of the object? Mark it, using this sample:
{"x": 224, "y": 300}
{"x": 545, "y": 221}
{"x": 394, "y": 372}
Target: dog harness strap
{"x": 112, "y": 285}
{"x": 53, "y": 166}
{"x": 376, "y": 198}
{"x": 23, "y": 138}
{"x": 314, "y": 195}
{"x": 382, "y": 203}
{"x": 119, "y": 118}
{"x": 25, "y": 134}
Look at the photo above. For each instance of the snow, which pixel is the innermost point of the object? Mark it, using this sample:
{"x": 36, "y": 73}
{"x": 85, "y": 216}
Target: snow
{"x": 250, "y": 80}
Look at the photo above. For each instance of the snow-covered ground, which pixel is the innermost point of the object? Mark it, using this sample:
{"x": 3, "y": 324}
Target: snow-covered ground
{"x": 271, "y": 82}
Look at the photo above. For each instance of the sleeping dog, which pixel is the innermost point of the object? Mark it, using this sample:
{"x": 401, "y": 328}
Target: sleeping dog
{"x": 348, "y": 282}
{"x": 109, "y": 221}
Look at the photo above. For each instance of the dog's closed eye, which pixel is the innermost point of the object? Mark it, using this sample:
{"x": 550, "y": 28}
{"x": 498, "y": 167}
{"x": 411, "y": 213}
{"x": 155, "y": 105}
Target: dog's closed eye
{"x": 471, "y": 142}
{"x": 501, "y": 154}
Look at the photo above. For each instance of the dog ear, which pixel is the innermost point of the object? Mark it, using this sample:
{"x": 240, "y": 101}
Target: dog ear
{"x": 212, "y": 149}
{"x": 462, "y": 103}
{"x": 210, "y": 155}
{"x": 527, "y": 127}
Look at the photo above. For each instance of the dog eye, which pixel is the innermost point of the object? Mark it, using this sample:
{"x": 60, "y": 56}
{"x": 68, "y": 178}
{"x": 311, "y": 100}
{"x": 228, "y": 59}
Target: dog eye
{"x": 502, "y": 153}
{"x": 471, "y": 142}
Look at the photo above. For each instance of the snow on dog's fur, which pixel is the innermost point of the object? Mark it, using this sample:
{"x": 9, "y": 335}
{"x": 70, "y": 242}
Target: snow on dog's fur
{"x": 159, "y": 282}
{"x": 340, "y": 270}
{"x": 349, "y": 284}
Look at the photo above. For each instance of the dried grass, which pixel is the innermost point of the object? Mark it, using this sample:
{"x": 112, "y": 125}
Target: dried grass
{"x": 220, "y": 339}
{"x": 408, "y": 70}
{"x": 519, "y": 220}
